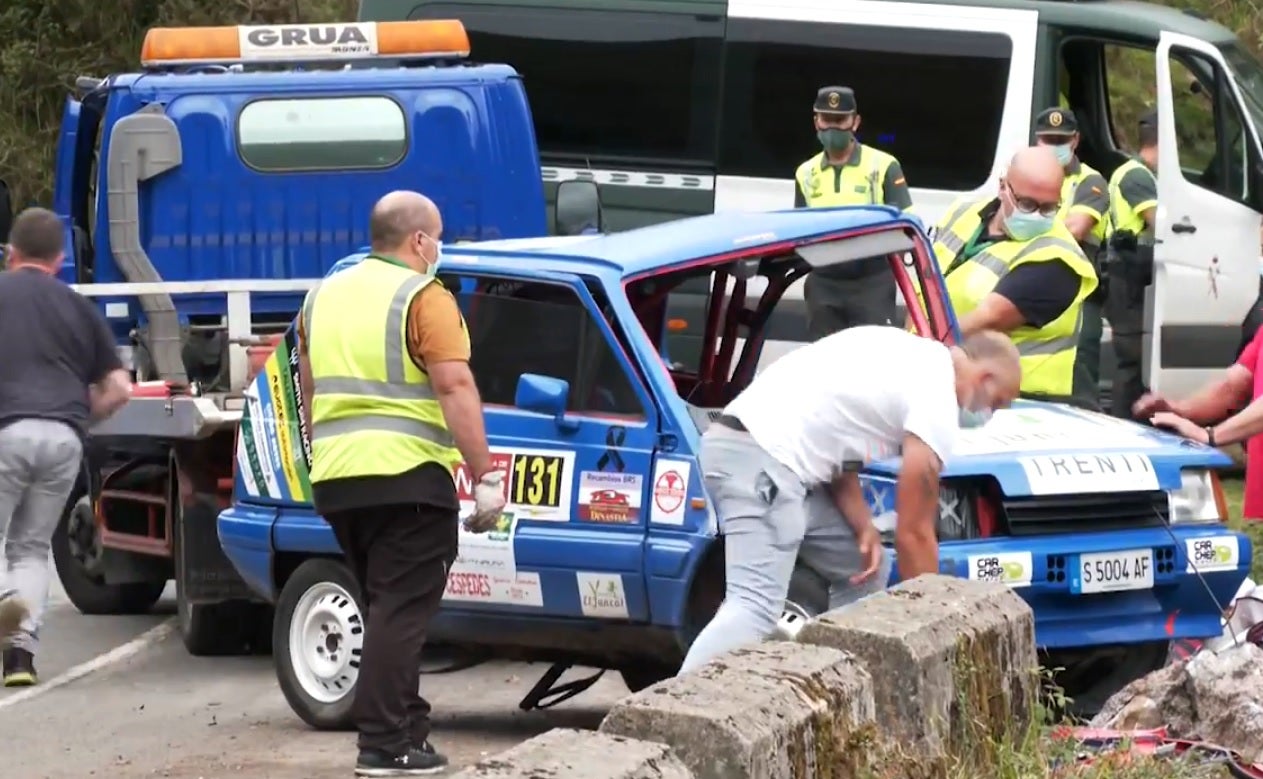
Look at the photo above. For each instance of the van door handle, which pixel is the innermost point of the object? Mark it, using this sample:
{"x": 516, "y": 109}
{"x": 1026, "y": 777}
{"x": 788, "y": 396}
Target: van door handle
{"x": 1184, "y": 227}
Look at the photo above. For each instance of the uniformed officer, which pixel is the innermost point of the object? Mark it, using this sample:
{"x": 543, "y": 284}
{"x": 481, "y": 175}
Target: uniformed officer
{"x": 1084, "y": 210}
{"x": 385, "y": 360}
{"x": 1012, "y": 266}
{"x": 848, "y": 173}
{"x": 1133, "y": 193}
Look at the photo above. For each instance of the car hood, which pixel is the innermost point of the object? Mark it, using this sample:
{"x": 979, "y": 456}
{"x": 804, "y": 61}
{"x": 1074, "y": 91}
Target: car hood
{"x": 1048, "y": 448}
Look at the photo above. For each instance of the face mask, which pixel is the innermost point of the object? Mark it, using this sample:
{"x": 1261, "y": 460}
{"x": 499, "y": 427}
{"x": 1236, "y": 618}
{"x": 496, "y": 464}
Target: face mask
{"x": 1064, "y": 153}
{"x": 1023, "y": 227}
{"x": 833, "y": 139}
{"x": 978, "y": 418}
{"x": 432, "y": 267}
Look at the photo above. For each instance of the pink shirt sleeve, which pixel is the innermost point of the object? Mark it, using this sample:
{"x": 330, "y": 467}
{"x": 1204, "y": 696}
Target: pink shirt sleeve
{"x": 1249, "y": 358}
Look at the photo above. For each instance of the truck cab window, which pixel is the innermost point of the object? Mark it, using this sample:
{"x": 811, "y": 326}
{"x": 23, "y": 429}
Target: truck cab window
{"x": 327, "y": 133}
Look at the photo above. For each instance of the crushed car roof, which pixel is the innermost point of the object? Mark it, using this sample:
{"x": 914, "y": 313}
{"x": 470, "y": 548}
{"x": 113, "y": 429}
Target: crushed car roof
{"x": 644, "y": 249}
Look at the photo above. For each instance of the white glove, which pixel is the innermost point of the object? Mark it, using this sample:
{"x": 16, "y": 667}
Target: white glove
{"x": 488, "y": 503}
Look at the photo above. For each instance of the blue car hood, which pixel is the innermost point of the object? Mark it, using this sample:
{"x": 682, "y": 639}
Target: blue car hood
{"x": 1039, "y": 448}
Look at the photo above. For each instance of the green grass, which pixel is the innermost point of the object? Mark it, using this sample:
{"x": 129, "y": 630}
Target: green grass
{"x": 1233, "y": 493}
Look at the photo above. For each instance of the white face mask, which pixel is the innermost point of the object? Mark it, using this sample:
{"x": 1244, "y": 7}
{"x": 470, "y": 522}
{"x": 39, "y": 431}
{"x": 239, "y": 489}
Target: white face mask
{"x": 979, "y": 418}
{"x": 433, "y": 267}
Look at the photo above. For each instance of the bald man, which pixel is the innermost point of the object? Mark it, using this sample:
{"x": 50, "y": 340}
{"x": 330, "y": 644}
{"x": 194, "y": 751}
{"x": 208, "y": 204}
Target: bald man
{"x": 1012, "y": 266}
{"x": 810, "y": 422}
{"x": 384, "y": 358}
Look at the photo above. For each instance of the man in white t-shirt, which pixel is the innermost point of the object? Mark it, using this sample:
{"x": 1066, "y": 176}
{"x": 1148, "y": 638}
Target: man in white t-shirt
{"x": 813, "y": 419}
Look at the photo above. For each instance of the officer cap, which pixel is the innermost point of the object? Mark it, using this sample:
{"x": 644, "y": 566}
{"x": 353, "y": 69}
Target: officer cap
{"x": 1149, "y": 118}
{"x": 1056, "y": 121}
{"x": 835, "y": 100}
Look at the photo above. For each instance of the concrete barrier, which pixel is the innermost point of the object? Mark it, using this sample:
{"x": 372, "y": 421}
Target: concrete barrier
{"x": 936, "y": 646}
{"x": 580, "y": 754}
{"x": 778, "y": 709}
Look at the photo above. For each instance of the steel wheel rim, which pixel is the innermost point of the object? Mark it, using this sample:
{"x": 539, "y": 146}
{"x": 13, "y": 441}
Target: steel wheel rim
{"x": 326, "y": 637}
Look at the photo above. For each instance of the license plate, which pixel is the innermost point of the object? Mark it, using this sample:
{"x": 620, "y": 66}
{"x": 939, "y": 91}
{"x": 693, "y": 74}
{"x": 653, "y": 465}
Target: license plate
{"x": 1114, "y": 571}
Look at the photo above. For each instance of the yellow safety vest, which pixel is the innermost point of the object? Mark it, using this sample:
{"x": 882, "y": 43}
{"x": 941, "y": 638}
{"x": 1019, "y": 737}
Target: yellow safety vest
{"x": 1124, "y": 216}
{"x": 860, "y": 183}
{"x": 373, "y": 411}
{"x": 1068, "y": 188}
{"x": 1048, "y": 352}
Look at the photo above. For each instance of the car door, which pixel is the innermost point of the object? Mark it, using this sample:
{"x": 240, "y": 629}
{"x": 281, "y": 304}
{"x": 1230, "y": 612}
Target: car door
{"x": 571, "y": 542}
{"x": 1207, "y": 228}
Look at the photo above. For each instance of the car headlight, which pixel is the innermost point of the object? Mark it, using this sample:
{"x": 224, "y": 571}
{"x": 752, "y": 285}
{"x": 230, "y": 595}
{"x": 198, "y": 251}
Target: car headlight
{"x": 1195, "y": 500}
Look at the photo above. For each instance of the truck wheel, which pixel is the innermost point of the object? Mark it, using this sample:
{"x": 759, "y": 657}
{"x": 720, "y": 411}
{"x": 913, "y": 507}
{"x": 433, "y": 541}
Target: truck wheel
{"x": 77, "y": 555}
{"x": 211, "y": 629}
{"x": 317, "y": 638}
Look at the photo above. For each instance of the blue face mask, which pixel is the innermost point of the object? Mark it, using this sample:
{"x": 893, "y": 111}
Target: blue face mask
{"x": 1064, "y": 153}
{"x": 970, "y": 419}
{"x": 1023, "y": 227}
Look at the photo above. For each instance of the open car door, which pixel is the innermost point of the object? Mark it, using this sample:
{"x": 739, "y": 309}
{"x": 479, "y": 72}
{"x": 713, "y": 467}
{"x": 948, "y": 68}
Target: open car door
{"x": 1207, "y": 227}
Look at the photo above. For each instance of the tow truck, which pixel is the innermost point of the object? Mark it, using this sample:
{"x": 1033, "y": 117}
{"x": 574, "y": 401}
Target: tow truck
{"x": 202, "y": 196}
{"x": 609, "y": 554}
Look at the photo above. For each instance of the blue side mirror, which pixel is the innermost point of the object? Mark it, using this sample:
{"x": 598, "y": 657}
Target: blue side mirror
{"x": 544, "y": 395}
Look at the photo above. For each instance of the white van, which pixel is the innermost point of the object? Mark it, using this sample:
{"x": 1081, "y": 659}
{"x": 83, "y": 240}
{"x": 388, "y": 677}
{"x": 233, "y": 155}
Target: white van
{"x": 680, "y": 107}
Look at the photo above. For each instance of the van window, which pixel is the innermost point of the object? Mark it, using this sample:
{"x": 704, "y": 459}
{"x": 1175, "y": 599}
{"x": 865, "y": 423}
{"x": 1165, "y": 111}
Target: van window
{"x": 1211, "y": 133}
{"x": 326, "y": 133}
{"x": 527, "y": 327}
{"x": 932, "y": 98}
{"x": 605, "y": 85}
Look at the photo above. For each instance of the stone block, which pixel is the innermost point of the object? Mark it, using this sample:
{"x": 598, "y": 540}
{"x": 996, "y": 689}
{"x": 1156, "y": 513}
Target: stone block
{"x": 778, "y": 710}
{"x": 948, "y": 658}
{"x": 580, "y": 754}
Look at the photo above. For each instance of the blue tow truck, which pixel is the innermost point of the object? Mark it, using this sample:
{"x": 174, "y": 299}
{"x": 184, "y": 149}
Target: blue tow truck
{"x": 608, "y": 555}
{"x": 202, "y": 196}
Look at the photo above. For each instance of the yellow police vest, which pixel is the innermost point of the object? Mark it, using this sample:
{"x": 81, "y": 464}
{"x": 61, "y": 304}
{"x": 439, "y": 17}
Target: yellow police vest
{"x": 1048, "y": 352}
{"x": 1068, "y": 189}
{"x": 860, "y": 183}
{"x": 373, "y": 411}
{"x": 1127, "y": 217}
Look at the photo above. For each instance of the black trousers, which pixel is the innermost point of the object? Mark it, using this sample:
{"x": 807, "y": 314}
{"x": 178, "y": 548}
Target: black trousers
{"x": 835, "y": 304}
{"x": 400, "y": 556}
{"x": 1125, "y": 310}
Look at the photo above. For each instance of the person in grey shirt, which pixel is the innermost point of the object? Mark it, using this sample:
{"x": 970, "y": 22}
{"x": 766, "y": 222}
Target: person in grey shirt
{"x": 60, "y": 372}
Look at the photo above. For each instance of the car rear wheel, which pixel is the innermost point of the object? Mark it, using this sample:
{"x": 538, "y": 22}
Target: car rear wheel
{"x": 317, "y": 639}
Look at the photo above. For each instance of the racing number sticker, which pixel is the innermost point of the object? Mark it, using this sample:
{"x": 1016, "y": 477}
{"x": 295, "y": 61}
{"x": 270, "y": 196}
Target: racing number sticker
{"x": 537, "y": 480}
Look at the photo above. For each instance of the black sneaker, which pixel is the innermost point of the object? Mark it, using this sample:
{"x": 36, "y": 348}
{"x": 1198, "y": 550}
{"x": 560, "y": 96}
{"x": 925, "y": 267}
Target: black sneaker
{"x": 19, "y": 668}
{"x": 12, "y": 611}
{"x": 420, "y": 760}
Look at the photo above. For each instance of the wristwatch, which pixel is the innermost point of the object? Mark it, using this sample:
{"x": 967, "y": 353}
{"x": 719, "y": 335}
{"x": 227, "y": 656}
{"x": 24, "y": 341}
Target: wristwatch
{"x": 1210, "y": 435}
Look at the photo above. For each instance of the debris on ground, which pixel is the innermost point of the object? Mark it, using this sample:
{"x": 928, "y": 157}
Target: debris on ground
{"x": 1097, "y": 746}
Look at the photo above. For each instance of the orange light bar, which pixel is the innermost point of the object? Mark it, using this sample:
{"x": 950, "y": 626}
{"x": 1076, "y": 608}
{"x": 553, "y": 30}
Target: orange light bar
{"x": 304, "y": 42}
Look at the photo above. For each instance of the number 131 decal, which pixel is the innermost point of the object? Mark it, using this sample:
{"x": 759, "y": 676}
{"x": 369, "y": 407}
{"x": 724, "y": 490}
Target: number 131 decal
{"x": 541, "y": 484}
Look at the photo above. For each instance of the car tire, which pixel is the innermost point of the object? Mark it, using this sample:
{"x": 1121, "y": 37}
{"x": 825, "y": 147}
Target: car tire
{"x": 1138, "y": 660}
{"x": 317, "y": 638}
{"x": 212, "y": 629}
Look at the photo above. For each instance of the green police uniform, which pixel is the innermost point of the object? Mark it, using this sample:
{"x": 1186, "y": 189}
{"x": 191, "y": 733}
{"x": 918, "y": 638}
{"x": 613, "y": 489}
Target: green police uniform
{"x": 863, "y": 292}
{"x": 972, "y": 268}
{"x": 1084, "y": 191}
{"x": 373, "y": 411}
{"x": 1133, "y": 190}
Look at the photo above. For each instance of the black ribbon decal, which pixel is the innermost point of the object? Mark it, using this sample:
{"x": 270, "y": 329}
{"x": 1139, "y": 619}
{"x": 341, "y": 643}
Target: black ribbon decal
{"x": 613, "y": 440}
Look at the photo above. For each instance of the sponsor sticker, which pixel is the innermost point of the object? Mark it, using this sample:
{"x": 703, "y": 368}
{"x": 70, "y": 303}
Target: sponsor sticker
{"x": 513, "y": 589}
{"x": 490, "y": 552}
{"x": 538, "y": 483}
{"x": 1216, "y": 553}
{"x": 601, "y": 595}
{"x": 1061, "y": 474}
{"x": 284, "y": 41}
{"x": 1011, "y": 568}
{"x": 670, "y": 485}
{"x": 610, "y": 497}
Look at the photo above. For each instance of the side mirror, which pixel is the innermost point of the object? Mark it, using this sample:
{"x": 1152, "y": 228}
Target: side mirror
{"x": 578, "y": 209}
{"x": 6, "y": 211}
{"x": 544, "y": 395}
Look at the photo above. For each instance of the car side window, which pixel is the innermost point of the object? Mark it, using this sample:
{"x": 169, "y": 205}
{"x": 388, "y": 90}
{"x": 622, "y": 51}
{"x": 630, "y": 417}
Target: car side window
{"x": 518, "y": 327}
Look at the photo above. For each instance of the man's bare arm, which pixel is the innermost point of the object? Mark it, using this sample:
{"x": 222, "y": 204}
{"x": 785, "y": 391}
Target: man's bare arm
{"x": 1080, "y": 225}
{"x": 848, "y": 495}
{"x": 109, "y": 395}
{"x": 916, "y": 506}
{"x": 1219, "y": 398}
{"x": 457, "y": 393}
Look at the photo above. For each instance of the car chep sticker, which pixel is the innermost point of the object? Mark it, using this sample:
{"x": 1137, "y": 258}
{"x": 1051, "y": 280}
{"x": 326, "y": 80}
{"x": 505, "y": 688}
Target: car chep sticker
{"x": 1214, "y": 553}
{"x": 612, "y": 498}
{"x": 1065, "y": 474}
{"x": 669, "y": 489}
{"x": 1011, "y": 568}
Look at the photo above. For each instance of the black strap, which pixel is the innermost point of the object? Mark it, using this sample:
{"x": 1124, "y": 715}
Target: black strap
{"x": 731, "y": 422}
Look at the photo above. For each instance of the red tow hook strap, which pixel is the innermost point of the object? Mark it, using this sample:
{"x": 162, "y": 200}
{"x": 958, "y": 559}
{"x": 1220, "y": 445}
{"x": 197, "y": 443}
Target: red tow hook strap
{"x": 1100, "y": 742}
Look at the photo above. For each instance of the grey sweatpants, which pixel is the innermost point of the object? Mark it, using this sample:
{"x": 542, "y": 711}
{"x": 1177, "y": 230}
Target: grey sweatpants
{"x": 767, "y": 520}
{"x": 39, "y": 462}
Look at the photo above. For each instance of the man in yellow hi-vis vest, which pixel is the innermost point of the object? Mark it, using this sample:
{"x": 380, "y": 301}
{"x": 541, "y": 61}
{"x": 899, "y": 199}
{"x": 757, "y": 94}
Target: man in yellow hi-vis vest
{"x": 1012, "y": 266}
{"x": 1085, "y": 204}
{"x": 384, "y": 359}
{"x": 848, "y": 173}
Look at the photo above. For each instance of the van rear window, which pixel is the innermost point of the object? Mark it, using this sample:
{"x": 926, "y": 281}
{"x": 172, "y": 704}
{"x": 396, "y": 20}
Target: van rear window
{"x": 325, "y": 133}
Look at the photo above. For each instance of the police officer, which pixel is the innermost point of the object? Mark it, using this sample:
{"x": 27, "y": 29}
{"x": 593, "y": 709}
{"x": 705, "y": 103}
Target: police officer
{"x": 1012, "y": 266}
{"x": 1084, "y": 210}
{"x": 385, "y": 361}
{"x": 848, "y": 173}
{"x": 1133, "y": 193}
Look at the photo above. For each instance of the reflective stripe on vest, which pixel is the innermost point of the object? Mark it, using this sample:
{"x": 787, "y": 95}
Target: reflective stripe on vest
{"x": 863, "y": 183}
{"x": 1123, "y": 216}
{"x": 374, "y": 412}
{"x": 1096, "y": 236}
{"x": 1048, "y": 353}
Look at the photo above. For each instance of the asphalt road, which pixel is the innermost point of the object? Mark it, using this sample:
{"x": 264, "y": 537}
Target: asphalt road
{"x": 151, "y": 710}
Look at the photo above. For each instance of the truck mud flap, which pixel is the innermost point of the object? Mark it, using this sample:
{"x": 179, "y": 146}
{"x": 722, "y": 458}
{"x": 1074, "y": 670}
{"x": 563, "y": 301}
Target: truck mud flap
{"x": 208, "y": 575}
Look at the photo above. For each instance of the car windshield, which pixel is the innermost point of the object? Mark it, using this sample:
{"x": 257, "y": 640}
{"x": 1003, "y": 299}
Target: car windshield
{"x": 1248, "y": 73}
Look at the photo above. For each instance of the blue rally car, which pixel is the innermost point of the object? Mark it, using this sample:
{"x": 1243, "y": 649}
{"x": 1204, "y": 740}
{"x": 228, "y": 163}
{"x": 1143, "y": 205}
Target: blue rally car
{"x": 607, "y": 555}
